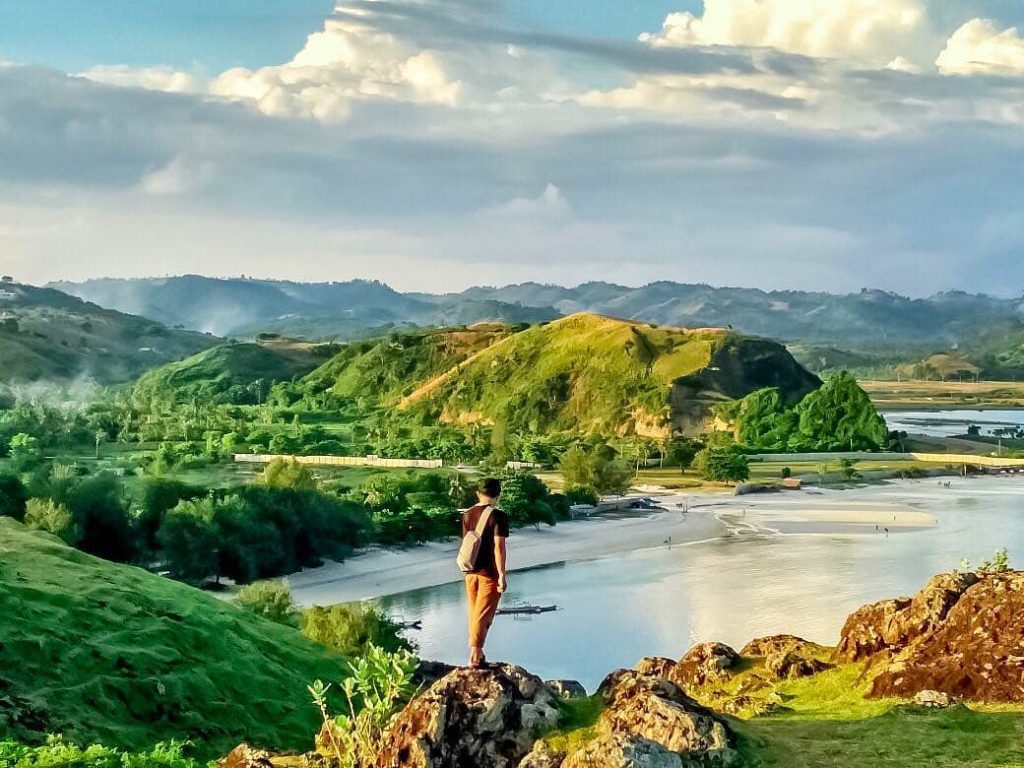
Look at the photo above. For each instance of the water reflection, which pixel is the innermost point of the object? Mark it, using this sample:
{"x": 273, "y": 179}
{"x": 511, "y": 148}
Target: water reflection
{"x": 615, "y": 610}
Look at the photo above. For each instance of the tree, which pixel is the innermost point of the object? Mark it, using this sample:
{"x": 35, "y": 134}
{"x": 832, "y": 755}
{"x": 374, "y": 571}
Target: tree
{"x": 288, "y": 473}
{"x": 189, "y": 540}
{"x": 100, "y": 509}
{"x": 576, "y": 467}
{"x": 598, "y": 468}
{"x": 841, "y": 416}
{"x": 25, "y": 451}
{"x": 722, "y": 465}
{"x": 47, "y": 515}
{"x": 13, "y": 497}
{"x": 763, "y": 422}
{"x": 682, "y": 450}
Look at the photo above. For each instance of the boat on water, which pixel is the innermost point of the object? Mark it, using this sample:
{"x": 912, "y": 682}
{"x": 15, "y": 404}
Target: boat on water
{"x": 526, "y": 610}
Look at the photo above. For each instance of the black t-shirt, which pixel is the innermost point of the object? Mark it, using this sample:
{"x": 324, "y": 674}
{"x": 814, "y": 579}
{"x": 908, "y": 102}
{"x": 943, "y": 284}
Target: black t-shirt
{"x": 497, "y": 524}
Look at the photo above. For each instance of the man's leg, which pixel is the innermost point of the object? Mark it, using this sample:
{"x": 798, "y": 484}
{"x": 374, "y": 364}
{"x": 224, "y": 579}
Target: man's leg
{"x": 487, "y": 605}
{"x": 473, "y": 596}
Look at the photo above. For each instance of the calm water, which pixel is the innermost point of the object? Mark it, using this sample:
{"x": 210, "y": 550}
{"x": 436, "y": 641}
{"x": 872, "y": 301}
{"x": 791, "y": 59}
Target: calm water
{"x": 660, "y": 602}
{"x": 954, "y": 422}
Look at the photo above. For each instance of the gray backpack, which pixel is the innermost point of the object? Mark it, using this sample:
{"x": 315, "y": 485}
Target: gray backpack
{"x": 469, "y": 550}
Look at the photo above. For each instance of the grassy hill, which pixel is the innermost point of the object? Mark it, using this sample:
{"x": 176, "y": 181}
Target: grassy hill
{"x": 110, "y": 653}
{"x": 589, "y": 373}
{"x": 48, "y": 335}
{"x": 383, "y": 371}
{"x": 233, "y": 373}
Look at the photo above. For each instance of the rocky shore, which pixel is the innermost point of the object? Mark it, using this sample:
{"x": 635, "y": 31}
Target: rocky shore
{"x": 958, "y": 641}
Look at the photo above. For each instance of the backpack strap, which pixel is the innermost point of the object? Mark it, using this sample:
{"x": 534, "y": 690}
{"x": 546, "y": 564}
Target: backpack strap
{"x": 485, "y": 518}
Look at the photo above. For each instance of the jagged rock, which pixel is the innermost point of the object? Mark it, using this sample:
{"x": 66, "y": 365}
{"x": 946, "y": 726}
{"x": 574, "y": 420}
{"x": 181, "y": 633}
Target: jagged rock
{"x": 751, "y": 706}
{"x": 933, "y": 699}
{"x": 686, "y": 728}
{"x": 704, "y": 663}
{"x": 486, "y": 718}
{"x": 244, "y": 756}
{"x": 542, "y": 756}
{"x": 893, "y": 624}
{"x": 623, "y": 684}
{"x": 429, "y": 672}
{"x": 788, "y": 665}
{"x": 975, "y": 651}
{"x": 623, "y": 752}
{"x": 567, "y": 689}
{"x": 763, "y": 647}
{"x": 655, "y": 666}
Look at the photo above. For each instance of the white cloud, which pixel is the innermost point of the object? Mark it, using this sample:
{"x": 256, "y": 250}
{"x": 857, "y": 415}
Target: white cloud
{"x": 872, "y": 32}
{"x": 549, "y": 204}
{"x": 980, "y": 47}
{"x": 178, "y": 176}
{"x": 150, "y": 78}
{"x": 346, "y": 61}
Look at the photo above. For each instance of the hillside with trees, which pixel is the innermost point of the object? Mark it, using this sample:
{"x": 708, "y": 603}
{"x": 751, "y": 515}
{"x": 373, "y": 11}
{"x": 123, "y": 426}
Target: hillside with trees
{"x": 46, "y": 335}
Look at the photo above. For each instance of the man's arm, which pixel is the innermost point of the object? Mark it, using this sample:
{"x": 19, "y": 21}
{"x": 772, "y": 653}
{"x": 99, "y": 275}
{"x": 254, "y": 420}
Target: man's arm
{"x": 500, "y": 556}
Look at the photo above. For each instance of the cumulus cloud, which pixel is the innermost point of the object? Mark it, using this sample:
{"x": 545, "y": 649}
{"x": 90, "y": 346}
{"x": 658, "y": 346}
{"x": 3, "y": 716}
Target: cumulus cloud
{"x": 869, "y": 31}
{"x": 981, "y": 47}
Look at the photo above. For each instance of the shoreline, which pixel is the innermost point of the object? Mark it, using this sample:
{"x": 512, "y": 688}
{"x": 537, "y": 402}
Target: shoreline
{"x": 379, "y": 572}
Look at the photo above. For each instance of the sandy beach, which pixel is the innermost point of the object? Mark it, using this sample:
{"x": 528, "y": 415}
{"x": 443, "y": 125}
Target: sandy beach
{"x": 378, "y": 572}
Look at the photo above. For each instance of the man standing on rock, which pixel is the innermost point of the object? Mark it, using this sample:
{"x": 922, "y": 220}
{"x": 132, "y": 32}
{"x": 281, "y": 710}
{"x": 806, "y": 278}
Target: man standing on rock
{"x": 486, "y": 578}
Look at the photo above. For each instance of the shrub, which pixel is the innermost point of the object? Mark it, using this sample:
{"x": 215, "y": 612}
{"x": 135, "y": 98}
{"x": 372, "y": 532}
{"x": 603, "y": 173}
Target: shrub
{"x": 271, "y": 600}
{"x": 100, "y": 510}
{"x": 722, "y": 465}
{"x": 353, "y": 629}
{"x": 287, "y": 473}
{"x": 47, "y": 515}
{"x": 57, "y": 753}
{"x": 379, "y": 684}
{"x": 581, "y": 494}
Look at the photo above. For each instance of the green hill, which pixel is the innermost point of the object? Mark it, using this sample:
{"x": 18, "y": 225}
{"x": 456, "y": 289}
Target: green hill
{"x": 113, "y": 654}
{"x": 588, "y": 373}
{"x": 235, "y": 373}
{"x": 48, "y": 335}
{"x": 383, "y": 371}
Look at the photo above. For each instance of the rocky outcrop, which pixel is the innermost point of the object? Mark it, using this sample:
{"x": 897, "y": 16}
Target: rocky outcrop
{"x": 655, "y": 666}
{"x": 487, "y": 718}
{"x": 624, "y": 752}
{"x": 652, "y": 719}
{"x": 974, "y": 651}
{"x": 894, "y": 624}
{"x": 787, "y": 656}
{"x": 567, "y": 689}
{"x": 244, "y": 756}
{"x": 703, "y": 664}
{"x": 933, "y": 699}
{"x": 542, "y": 756}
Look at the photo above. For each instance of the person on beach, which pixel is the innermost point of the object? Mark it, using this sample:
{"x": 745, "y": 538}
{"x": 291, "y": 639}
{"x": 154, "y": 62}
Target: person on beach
{"x": 488, "y": 580}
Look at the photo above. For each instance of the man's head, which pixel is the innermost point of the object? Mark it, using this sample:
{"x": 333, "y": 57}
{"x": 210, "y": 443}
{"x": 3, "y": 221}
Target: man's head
{"x": 488, "y": 490}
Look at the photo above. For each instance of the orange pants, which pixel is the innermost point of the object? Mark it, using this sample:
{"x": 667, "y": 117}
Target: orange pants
{"x": 483, "y": 602}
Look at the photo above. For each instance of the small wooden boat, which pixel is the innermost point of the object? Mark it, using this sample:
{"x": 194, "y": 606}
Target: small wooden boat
{"x": 526, "y": 610}
{"x": 418, "y": 624}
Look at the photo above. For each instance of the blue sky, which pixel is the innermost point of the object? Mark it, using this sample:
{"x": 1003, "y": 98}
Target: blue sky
{"x": 436, "y": 144}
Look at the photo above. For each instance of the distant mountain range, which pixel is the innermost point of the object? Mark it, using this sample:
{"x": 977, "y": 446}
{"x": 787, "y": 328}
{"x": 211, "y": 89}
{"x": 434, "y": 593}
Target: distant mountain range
{"x": 869, "y": 320}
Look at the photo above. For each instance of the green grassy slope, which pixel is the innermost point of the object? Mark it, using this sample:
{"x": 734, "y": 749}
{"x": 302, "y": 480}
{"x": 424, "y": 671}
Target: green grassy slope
{"x": 589, "y": 373}
{"x": 383, "y": 371}
{"x": 48, "y": 335}
{"x": 112, "y": 654}
{"x": 229, "y": 371}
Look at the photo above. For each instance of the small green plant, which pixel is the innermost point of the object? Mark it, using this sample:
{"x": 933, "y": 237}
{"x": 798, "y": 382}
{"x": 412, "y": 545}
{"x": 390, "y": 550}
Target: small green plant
{"x": 57, "y": 753}
{"x": 378, "y": 685}
{"x": 270, "y": 599}
{"x": 1000, "y": 563}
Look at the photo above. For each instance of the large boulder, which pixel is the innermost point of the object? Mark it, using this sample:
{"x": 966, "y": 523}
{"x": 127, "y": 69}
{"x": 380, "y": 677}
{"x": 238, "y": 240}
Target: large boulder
{"x": 788, "y": 656}
{"x": 893, "y": 624}
{"x": 788, "y": 665}
{"x": 244, "y": 756}
{"x": 542, "y": 756}
{"x": 623, "y": 684}
{"x": 655, "y": 666}
{"x": 486, "y": 718}
{"x": 685, "y": 728}
{"x": 703, "y": 664}
{"x": 623, "y": 752}
{"x": 973, "y": 649}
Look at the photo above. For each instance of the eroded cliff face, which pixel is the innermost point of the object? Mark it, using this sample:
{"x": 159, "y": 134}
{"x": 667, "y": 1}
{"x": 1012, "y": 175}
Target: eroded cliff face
{"x": 738, "y": 367}
{"x": 960, "y": 638}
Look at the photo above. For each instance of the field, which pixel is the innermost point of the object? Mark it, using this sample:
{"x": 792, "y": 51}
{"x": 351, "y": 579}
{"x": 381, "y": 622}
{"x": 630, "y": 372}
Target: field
{"x": 945, "y": 394}
{"x": 113, "y": 654}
